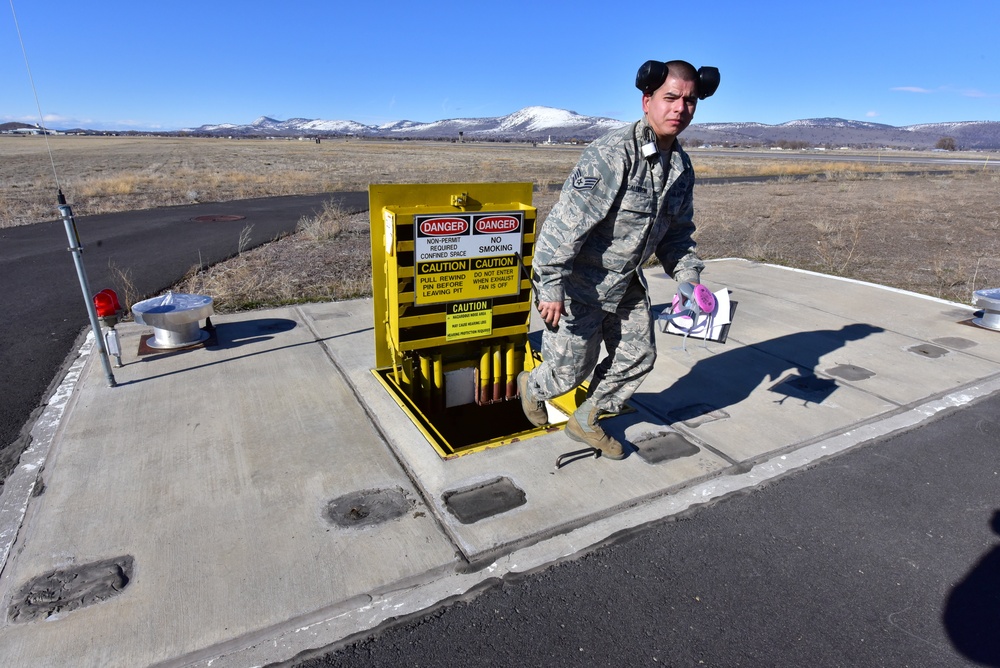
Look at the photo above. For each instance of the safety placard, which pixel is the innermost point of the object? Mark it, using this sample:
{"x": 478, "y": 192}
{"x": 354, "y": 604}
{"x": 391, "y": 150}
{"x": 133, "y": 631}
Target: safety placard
{"x": 469, "y": 320}
{"x": 467, "y": 256}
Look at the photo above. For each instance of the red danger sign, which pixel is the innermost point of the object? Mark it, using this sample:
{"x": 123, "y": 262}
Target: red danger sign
{"x": 444, "y": 227}
{"x": 497, "y": 224}
{"x": 466, "y": 256}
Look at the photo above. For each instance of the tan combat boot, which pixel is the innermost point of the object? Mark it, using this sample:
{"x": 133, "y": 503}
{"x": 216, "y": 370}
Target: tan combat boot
{"x": 533, "y": 409}
{"x": 582, "y": 426}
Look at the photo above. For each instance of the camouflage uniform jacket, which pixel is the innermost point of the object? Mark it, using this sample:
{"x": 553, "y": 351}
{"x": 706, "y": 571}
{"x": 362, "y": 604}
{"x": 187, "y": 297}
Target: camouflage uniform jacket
{"x": 615, "y": 210}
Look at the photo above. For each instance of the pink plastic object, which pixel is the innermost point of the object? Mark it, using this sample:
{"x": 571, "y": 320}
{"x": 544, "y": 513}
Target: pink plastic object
{"x": 704, "y": 298}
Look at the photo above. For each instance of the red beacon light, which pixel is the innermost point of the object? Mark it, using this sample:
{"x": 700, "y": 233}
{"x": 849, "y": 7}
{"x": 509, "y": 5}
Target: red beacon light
{"x": 107, "y": 304}
{"x": 108, "y": 307}
{"x": 114, "y": 298}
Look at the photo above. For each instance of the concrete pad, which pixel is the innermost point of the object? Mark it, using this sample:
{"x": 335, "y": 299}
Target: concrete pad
{"x": 803, "y": 377}
{"x": 822, "y": 339}
{"x": 745, "y": 403}
{"x": 555, "y": 500}
{"x": 912, "y": 315}
{"x": 899, "y": 368}
{"x": 275, "y": 498}
{"x": 213, "y": 468}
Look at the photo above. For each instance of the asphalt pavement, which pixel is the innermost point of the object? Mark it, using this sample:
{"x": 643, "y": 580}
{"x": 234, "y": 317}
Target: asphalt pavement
{"x": 262, "y": 498}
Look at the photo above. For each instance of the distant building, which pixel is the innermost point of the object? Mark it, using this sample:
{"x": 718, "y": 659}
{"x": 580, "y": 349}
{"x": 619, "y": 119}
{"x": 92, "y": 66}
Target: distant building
{"x": 34, "y": 131}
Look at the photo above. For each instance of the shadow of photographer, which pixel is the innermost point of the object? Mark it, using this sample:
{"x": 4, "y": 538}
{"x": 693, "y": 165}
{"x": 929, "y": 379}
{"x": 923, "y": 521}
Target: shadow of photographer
{"x": 727, "y": 378}
{"x": 972, "y": 612}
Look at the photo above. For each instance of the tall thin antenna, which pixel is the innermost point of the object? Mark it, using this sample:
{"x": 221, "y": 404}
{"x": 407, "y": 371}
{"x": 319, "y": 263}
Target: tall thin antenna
{"x": 38, "y": 106}
{"x": 66, "y": 212}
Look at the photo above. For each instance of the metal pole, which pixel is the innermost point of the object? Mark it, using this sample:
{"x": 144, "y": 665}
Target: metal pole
{"x": 76, "y": 248}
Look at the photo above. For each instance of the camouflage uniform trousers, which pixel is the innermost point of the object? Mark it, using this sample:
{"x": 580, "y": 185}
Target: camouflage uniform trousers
{"x": 570, "y": 353}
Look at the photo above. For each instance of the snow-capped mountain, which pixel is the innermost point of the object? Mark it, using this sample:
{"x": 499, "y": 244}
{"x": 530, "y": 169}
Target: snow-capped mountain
{"x": 293, "y": 126}
{"x": 545, "y": 123}
{"x": 837, "y": 132}
{"x": 546, "y": 119}
{"x": 530, "y": 123}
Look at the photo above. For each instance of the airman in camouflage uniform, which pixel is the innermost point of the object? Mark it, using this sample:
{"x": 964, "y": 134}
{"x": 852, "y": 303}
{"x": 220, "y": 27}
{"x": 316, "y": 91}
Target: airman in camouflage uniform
{"x": 620, "y": 205}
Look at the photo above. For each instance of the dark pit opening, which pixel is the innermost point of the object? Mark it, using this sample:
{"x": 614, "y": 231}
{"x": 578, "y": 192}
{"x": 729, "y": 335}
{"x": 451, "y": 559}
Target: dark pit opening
{"x": 459, "y": 429}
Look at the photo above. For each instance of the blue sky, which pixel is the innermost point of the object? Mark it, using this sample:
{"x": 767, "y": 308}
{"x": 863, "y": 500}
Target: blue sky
{"x": 170, "y": 65}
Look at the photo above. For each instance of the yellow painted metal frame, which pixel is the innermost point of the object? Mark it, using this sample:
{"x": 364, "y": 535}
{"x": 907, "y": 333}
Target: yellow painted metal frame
{"x": 390, "y": 208}
{"x": 414, "y": 199}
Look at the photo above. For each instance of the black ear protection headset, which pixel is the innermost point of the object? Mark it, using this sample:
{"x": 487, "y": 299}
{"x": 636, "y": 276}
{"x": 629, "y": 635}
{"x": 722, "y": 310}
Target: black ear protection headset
{"x": 651, "y": 76}
{"x": 653, "y": 73}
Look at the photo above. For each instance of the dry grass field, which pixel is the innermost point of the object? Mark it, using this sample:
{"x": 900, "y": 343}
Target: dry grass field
{"x": 105, "y": 174}
{"x": 934, "y": 233}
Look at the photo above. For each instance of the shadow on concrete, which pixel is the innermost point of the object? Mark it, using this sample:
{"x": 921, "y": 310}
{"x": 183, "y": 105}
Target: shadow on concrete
{"x": 220, "y": 337}
{"x": 729, "y": 377}
{"x": 241, "y": 341}
{"x": 236, "y": 334}
{"x": 972, "y": 613}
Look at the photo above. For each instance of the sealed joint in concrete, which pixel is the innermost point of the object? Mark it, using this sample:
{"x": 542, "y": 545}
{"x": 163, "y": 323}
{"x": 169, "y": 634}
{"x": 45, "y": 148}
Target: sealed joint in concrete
{"x": 807, "y": 387}
{"x": 956, "y": 342}
{"x": 663, "y": 447}
{"x": 928, "y": 350}
{"x": 472, "y": 504}
{"x": 850, "y": 372}
{"x": 67, "y": 589}
{"x": 697, "y": 414}
{"x": 368, "y": 507}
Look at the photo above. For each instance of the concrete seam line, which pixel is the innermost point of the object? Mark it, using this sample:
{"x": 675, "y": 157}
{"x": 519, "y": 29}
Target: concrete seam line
{"x": 386, "y": 442}
{"x": 21, "y": 483}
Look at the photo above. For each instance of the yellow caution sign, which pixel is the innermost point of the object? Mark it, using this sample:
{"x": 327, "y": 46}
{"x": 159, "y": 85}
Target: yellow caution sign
{"x": 469, "y": 320}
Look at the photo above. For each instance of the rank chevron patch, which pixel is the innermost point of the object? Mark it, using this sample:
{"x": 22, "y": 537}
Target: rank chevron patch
{"x": 581, "y": 182}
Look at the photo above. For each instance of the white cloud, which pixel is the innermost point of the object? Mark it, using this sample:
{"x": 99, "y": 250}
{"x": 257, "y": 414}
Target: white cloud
{"x": 871, "y": 114}
{"x": 972, "y": 92}
{"x": 32, "y": 120}
{"x": 950, "y": 90}
{"x": 59, "y": 119}
{"x": 60, "y": 122}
